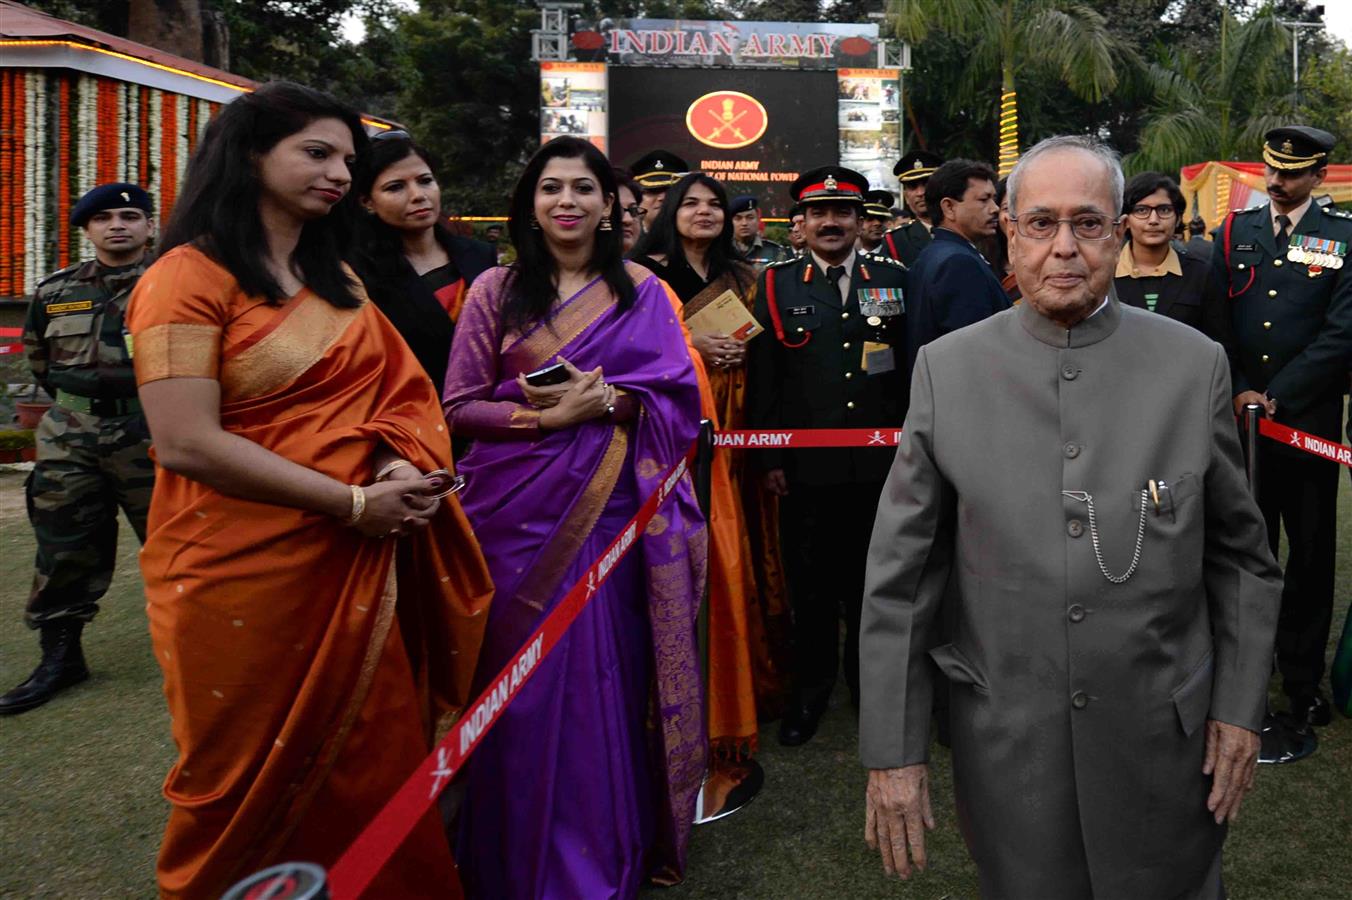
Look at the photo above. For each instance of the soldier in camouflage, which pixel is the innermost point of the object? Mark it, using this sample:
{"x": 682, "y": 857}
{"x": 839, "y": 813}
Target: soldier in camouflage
{"x": 92, "y": 445}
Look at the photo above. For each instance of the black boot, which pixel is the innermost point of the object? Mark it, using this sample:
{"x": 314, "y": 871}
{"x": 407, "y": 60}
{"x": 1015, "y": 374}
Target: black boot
{"x": 62, "y": 666}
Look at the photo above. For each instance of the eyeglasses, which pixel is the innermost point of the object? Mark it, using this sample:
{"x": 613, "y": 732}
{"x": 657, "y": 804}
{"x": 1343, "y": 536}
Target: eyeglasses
{"x": 1086, "y": 227}
{"x": 636, "y": 211}
{"x": 393, "y": 135}
{"x": 1143, "y": 211}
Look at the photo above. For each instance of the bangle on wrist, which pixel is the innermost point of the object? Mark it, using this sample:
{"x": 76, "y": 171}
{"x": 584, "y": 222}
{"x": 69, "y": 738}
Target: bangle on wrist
{"x": 391, "y": 466}
{"x": 358, "y": 504}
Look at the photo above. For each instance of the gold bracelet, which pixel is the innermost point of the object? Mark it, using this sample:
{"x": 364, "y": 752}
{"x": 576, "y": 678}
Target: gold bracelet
{"x": 358, "y": 504}
{"x": 390, "y": 467}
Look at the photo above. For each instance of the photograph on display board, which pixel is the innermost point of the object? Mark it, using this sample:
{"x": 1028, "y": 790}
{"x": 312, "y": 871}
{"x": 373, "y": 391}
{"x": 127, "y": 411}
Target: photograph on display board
{"x": 857, "y": 116}
{"x": 869, "y": 116}
{"x": 573, "y": 101}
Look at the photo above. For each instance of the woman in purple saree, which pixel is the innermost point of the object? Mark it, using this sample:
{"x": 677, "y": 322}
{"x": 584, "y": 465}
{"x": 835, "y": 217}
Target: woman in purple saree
{"x": 586, "y": 786}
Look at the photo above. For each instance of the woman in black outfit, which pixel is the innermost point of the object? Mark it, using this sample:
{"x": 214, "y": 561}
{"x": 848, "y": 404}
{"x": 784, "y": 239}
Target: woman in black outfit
{"x": 1154, "y": 272}
{"x": 690, "y": 247}
{"x": 413, "y": 268}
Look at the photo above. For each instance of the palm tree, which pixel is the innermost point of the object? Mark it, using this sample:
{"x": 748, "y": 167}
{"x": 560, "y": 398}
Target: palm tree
{"x": 1217, "y": 107}
{"x": 1066, "y": 39}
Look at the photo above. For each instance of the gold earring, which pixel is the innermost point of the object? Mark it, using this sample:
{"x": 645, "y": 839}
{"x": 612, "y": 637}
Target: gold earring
{"x": 606, "y": 224}
{"x": 534, "y": 222}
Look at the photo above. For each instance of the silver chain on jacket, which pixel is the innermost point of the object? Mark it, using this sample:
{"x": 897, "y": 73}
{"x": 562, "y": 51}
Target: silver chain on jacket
{"x": 1088, "y": 499}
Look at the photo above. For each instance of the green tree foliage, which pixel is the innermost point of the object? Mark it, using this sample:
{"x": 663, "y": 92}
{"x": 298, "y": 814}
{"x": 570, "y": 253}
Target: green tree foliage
{"x": 471, "y": 94}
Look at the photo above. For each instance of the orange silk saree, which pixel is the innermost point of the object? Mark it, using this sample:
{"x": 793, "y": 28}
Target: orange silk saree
{"x": 306, "y": 667}
{"x": 747, "y": 601}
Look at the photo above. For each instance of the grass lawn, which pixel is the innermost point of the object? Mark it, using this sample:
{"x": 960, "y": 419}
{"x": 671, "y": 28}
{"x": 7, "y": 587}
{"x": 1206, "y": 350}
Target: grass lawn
{"x": 81, "y": 811}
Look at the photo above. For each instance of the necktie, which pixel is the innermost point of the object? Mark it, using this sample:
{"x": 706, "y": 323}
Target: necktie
{"x": 1283, "y": 229}
{"x": 834, "y": 274}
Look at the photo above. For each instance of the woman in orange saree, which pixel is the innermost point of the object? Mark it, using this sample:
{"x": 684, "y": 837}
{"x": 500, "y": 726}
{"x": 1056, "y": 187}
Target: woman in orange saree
{"x": 308, "y": 655}
{"x": 690, "y": 247}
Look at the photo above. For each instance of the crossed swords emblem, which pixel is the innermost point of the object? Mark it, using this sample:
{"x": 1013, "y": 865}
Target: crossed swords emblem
{"x": 1295, "y": 439}
{"x": 727, "y": 122}
{"x": 877, "y": 439}
{"x": 442, "y": 773}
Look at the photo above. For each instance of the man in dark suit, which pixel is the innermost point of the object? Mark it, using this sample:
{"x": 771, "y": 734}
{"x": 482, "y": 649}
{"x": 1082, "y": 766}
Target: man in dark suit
{"x": 952, "y": 284}
{"x": 1284, "y": 268}
{"x": 830, "y": 360}
{"x": 1197, "y": 243}
{"x": 913, "y": 170}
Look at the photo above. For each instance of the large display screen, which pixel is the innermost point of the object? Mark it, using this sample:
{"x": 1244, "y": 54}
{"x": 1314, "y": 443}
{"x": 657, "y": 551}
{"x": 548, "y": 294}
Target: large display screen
{"x": 756, "y": 130}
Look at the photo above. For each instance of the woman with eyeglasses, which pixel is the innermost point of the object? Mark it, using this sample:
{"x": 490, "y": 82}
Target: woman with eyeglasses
{"x": 414, "y": 269}
{"x": 690, "y": 247}
{"x": 632, "y": 213}
{"x": 570, "y": 373}
{"x": 315, "y": 597}
{"x": 1156, "y": 273}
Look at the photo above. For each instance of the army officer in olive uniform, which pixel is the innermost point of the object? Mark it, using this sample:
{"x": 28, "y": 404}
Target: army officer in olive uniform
{"x": 830, "y": 359}
{"x": 913, "y": 171}
{"x": 92, "y": 445}
{"x": 1284, "y": 267}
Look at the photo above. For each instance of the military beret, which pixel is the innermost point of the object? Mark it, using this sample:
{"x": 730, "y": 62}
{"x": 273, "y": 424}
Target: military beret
{"x": 1293, "y": 147}
{"x": 659, "y": 170}
{"x": 118, "y": 195}
{"x": 829, "y": 184}
{"x": 744, "y": 203}
{"x": 916, "y": 165}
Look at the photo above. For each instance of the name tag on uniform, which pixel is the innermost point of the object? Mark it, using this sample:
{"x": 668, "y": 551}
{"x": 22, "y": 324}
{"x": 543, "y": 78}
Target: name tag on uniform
{"x": 72, "y": 306}
{"x": 802, "y": 310}
{"x": 878, "y": 358}
{"x": 880, "y": 301}
{"x": 1244, "y": 247}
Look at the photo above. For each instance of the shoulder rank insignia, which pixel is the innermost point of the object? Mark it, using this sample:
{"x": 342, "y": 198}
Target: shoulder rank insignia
{"x": 781, "y": 263}
{"x": 885, "y": 260}
{"x": 1335, "y": 211}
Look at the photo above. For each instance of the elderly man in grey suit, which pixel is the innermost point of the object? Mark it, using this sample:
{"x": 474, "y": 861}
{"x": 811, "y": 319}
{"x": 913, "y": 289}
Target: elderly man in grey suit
{"x": 1087, "y": 532}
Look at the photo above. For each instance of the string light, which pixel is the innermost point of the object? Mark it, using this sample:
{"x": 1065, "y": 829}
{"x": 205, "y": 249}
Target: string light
{"x": 1009, "y": 132}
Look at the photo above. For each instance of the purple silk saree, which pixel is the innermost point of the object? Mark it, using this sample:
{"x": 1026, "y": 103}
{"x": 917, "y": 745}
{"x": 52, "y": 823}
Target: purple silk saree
{"x": 586, "y": 786}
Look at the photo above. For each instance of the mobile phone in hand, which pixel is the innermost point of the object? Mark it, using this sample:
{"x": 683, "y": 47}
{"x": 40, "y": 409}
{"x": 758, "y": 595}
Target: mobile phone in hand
{"x": 549, "y": 375}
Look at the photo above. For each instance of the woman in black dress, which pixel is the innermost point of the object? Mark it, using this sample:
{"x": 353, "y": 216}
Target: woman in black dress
{"x": 1156, "y": 273}
{"x": 413, "y": 268}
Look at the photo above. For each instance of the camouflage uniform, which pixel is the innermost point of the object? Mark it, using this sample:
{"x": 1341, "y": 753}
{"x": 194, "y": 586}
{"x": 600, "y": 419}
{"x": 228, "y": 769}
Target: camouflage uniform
{"x": 92, "y": 445}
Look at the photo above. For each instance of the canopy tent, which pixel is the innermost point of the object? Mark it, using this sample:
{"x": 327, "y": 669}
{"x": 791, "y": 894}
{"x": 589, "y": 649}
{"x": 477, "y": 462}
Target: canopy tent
{"x": 1212, "y": 189}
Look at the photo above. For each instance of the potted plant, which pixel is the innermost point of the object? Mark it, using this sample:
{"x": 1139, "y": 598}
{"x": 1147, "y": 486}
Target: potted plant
{"x": 17, "y": 446}
{"x": 30, "y": 409}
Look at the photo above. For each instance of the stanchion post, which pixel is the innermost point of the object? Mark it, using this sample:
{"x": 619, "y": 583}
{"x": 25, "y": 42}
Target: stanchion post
{"x": 1252, "y": 413}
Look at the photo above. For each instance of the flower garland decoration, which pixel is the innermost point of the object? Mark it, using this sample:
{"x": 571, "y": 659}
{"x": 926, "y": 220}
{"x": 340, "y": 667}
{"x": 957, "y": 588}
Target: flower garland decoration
{"x": 63, "y": 173}
{"x": 29, "y": 180}
{"x": 182, "y": 122}
{"x": 6, "y": 180}
{"x": 37, "y": 108}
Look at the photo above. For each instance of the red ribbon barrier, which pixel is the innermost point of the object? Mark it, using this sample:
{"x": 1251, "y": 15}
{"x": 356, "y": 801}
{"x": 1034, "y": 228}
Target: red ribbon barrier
{"x": 10, "y": 348}
{"x": 808, "y": 437}
{"x": 1303, "y": 440}
{"x": 363, "y": 860}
